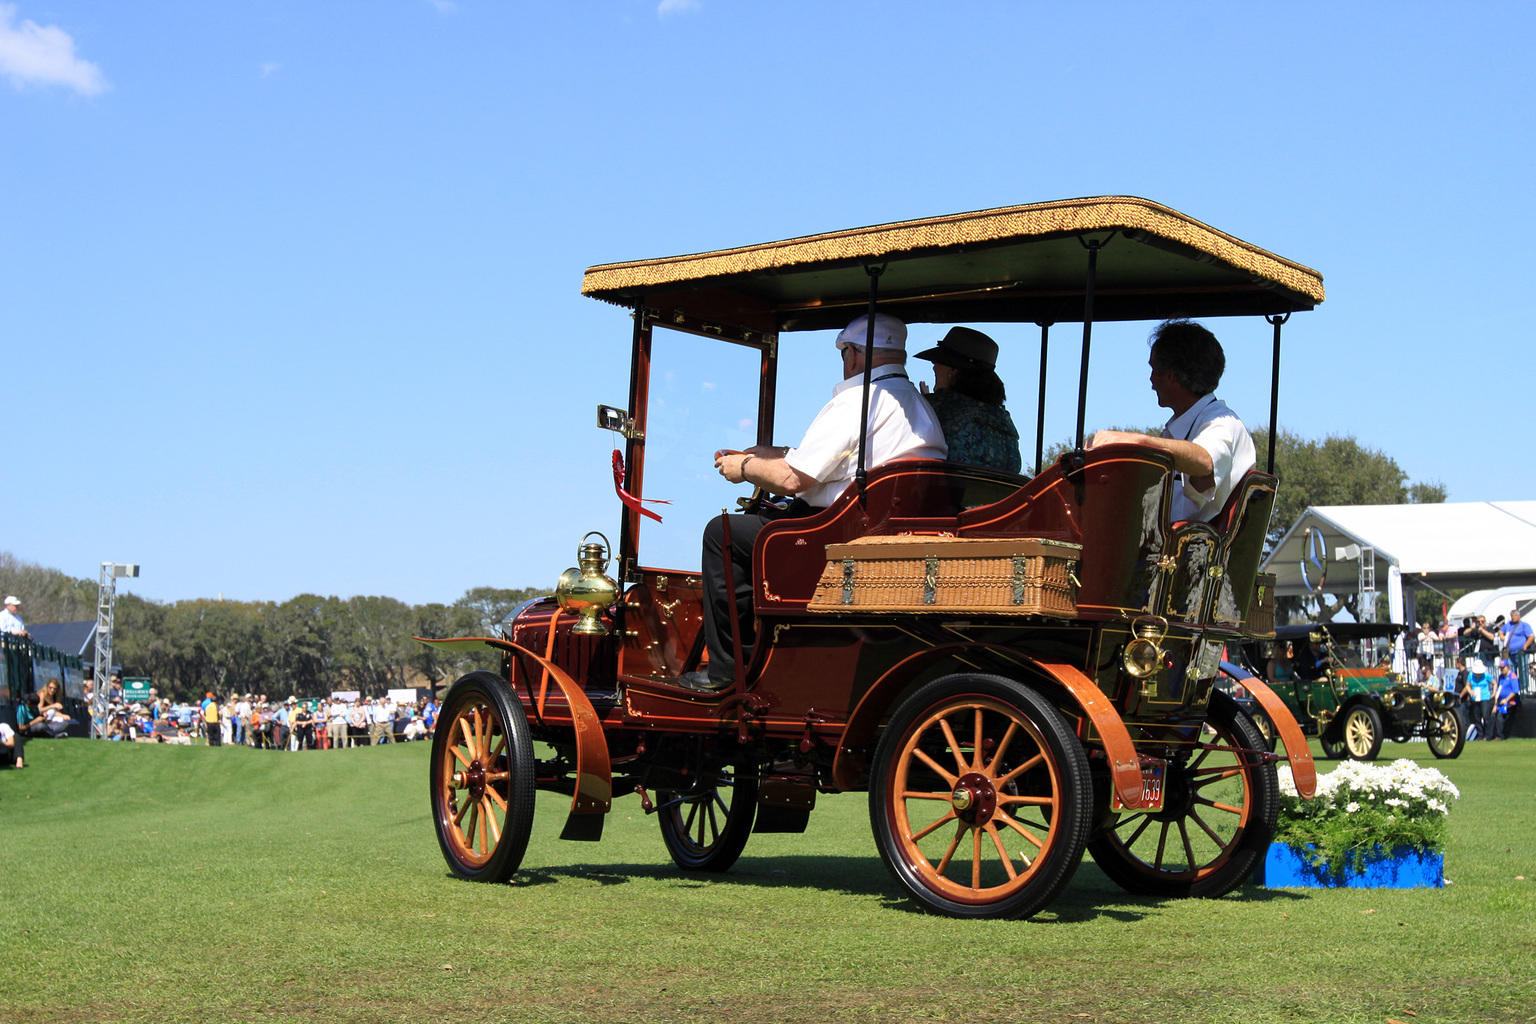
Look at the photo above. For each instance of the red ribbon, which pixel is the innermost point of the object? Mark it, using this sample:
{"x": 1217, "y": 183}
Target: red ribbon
{"x": 629, "y": 500}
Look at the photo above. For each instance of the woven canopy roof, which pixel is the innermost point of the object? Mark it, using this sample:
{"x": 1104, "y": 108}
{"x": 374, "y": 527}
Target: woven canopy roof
{"x": 1012, "y": 264}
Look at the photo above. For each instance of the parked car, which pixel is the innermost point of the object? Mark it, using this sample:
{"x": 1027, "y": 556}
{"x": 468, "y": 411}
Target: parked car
{"x": 1340, "y": 688}
{"x": 1031, "y": 674}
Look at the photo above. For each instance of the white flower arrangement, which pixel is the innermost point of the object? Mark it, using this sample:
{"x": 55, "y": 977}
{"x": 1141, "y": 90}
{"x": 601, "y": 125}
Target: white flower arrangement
{"x": 1360, "y": 807}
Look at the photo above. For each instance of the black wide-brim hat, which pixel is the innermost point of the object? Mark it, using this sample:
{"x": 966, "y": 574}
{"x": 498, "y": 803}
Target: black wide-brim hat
{"x": 963, "y": 349}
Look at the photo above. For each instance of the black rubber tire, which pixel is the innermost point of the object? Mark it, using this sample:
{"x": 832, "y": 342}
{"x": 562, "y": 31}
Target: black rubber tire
{"x": 1445, "y": 730}
{"x": 1360, "y": 732}
{"x": 706, "y": 830}
{"x": 482, "y": 754}
{"x": 1208, "y": 861}
{"x": 1031, "y": 768}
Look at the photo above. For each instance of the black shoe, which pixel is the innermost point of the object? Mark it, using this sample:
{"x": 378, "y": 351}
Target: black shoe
{"x": 700, "y": 681}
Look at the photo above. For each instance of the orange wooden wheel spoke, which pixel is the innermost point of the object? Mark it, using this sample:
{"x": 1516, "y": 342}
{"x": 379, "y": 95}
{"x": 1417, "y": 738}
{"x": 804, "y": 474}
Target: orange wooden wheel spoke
{"x": 1002, "y": 745}
{"x": 949, "y": 815}
{"x": 489, "y": 817}
{"x": 1210, "y": 775}
{"x": 1020, "y": 770}
{"x": 912, "y": 794}
{"x": 1032, "y": 801}
{"x": 714, "y": 826}
{"x": 462, "y": 759}
{"x": 469, "y": 824}
{"x": 1146, "y": 819}
{"x": 1199, "y": 759}
{"x": 949, "y": 778}
{"x": 458, "y": 815}
{"x": 1189, "y": 851}
{"x": 693, "y": 812}
{"x": 976, "y": 739}
{"x": 954, "y": 744}
{"x": 1021, "y": 830}
{"x": 501, "y": 746}
{"x": 976, "y": 852}
{"x": 997, "y": 841}
{"x": 495, "y": 796}
{"x": 1220, "y": 842}
{"x": 1162, "y": 841}
{"x": 1220, "y": 807}
{"x": 497, "y": 776}
{"x": 469, "y": 739}
{"x": 954, "y": 844}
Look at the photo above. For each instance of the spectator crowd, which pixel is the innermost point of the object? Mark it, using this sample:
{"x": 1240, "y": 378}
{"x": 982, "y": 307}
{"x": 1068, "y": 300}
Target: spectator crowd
{"x": 1489, "y": 665}
{"x": 255, "y": 721}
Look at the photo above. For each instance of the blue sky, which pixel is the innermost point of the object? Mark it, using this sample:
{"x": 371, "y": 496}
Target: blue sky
{"x": 290, "y": 291}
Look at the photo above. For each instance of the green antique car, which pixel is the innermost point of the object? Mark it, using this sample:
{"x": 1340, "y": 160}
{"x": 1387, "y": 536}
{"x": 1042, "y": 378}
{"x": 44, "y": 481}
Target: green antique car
{"x": 1341, "y": 687}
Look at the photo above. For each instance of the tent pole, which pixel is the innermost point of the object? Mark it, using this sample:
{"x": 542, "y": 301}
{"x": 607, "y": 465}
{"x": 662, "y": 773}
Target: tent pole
{"x": 1274, "y": 387}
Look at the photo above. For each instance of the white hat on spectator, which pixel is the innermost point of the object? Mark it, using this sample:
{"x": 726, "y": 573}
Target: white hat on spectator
{"x": 12, "y": 599}
{"x": 1476, "y": 665}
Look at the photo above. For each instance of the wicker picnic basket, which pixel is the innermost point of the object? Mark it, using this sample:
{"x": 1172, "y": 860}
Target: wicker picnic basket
{"x": 906, "y": 573}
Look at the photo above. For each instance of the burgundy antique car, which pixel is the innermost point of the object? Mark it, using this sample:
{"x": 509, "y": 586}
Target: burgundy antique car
{"x": 1014, "y": 668}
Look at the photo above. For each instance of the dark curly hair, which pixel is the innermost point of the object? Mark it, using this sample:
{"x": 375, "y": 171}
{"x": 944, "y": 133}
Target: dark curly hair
{"x": 1191, "y": 353}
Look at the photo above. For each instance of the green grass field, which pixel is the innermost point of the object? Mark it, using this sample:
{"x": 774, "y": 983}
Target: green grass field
{"x": 192, "y": 884}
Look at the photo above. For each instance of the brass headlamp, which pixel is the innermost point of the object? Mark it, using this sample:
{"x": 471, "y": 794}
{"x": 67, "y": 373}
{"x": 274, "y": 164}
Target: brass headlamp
{"x": 586, "y": 588}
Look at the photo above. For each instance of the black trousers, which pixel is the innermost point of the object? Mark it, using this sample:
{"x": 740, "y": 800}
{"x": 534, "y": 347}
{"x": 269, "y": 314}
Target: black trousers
{"x": 719, "y": 605}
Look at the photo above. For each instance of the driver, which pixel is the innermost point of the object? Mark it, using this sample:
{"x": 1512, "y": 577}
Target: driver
{"x": 816, "y": 472}
{"x": 1210, "y": 446}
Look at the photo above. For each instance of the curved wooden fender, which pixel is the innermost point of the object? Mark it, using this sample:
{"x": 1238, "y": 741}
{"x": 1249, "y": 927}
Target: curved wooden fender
{"x": 1124, "y": 764}
{"x": 594, "y": 773}
{"x": 1303, "y": 770}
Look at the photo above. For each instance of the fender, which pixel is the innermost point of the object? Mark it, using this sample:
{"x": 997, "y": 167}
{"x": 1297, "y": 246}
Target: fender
{"x": 1125, "y": 765}
{"x": 594, "y": 773}
{"x": 1303, "y": 770}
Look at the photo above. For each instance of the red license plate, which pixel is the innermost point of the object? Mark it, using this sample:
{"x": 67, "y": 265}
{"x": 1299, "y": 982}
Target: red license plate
{"x": 1152, "y": 771}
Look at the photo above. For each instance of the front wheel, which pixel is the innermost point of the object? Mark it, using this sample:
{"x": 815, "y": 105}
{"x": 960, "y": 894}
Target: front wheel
{"x": 980, "y": 798}
{"x": 1446, "y": 732}
{"x": 482, "y": 779}
{"x": 1362, "y": 732}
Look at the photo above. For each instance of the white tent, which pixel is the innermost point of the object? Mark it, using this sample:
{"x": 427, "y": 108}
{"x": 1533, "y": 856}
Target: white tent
{"x": 1476, "y": 544}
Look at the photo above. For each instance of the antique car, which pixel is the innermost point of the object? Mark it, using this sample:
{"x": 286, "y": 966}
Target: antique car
{"x": 1015, "y": 669}
{"x": 1350, "y": 699}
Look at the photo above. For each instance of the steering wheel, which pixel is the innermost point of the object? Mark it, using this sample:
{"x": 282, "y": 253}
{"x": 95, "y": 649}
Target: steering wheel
{"x": 759, "y": 501}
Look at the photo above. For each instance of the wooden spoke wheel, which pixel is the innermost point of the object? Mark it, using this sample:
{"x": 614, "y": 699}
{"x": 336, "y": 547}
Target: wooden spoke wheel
{"x": 980, "y": 798}
{"x": 1219, "y": 809}
{"x": 1446, "y": 732}
{"x": 482, "y": 779}
{"x": 706, "y": 829}
{"x": 1362, "y": 732}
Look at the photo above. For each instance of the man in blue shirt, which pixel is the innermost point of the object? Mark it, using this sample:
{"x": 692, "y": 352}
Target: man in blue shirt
{"x": 1507, "y": 692}
{"x": 1518, "y": 640}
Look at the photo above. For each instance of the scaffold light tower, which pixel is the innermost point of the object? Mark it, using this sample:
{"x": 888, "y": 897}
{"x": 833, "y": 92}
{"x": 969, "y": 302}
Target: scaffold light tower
{"x": 106, "y": 602}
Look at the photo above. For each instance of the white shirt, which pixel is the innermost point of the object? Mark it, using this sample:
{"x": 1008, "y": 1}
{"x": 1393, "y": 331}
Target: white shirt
{"x": 10, "y": 622}
{"x": 1216, "y": 428}
{"x": 901, "y": 426}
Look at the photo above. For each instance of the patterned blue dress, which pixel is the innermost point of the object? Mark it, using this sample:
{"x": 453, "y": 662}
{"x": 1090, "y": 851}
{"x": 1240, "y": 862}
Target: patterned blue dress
{"x": 978, "y": 434}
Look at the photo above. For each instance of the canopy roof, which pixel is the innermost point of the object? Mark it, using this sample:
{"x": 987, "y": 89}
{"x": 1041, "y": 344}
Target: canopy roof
{"x": 1012, "y": 264}
{"x": 1454, "y": 544}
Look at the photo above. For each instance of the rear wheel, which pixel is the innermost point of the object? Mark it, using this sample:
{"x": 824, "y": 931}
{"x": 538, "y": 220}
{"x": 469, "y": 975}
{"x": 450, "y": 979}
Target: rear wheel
{"x": 706, "y": 829}
{"x": 482, "y": 779}
{"x": 1220, "y": 802}
{"x": 980, "y": 798}
{"x": 1446, "y": 732}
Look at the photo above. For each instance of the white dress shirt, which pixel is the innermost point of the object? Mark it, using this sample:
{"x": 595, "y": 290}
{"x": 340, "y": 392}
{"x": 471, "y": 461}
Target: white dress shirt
{"x": 1216, "y": 428}
{"x": 901, "y": 426}
{"x": 10, "y": 622}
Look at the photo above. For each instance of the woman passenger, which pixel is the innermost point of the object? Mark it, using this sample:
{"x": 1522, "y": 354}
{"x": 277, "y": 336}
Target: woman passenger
{"x": 968, "y": 399}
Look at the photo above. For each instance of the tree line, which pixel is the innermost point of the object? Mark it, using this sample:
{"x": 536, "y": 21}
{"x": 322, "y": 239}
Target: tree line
{"x": 306, "y": 646}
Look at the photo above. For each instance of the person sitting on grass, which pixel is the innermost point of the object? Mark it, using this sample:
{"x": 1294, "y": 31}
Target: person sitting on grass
{"x": 34, "y": 722}
{"x": 10, "y": 747}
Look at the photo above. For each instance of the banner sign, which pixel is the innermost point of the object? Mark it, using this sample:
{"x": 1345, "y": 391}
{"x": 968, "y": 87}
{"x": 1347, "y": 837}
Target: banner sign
{"x": 136, "y": 688}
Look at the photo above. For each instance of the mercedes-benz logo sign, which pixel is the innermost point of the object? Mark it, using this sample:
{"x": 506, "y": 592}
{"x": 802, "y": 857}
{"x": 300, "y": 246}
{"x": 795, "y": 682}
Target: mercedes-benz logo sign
{"x": 1314, "y": 558}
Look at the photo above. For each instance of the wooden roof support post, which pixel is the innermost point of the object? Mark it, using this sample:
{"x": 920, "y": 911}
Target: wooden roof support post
{"x": 1045, "y": 345}
{"x": 1274, "y": 387}
{"x": 1093, "y": 246}
{"x": 862, "y": 473}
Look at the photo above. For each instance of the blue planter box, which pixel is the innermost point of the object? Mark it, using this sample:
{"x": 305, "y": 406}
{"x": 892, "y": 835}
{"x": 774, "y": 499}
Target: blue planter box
{"x": 1404, "y": 867}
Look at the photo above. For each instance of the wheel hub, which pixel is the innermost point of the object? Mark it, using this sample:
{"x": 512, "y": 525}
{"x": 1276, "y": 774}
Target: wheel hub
{"x": 1178, "y": 794}
{"x": 472, "y": 779}
{"x": 974, "y": 798}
